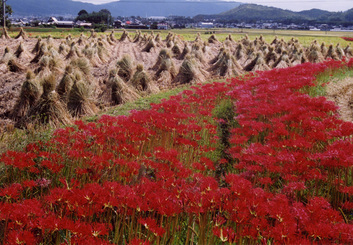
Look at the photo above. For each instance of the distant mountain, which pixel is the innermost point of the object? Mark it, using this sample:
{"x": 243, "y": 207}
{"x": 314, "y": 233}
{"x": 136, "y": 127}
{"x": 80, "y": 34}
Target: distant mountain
{"x": 47, "y": 7}
{"x": 122, "y": 8}
{"x": 254, "y": 12}
{"x": 257, "y": 12}
{"x": 314, "y": 13}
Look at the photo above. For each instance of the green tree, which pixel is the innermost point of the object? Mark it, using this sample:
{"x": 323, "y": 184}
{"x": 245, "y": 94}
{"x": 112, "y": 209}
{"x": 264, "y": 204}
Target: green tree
{"x": 82, "y": 12}
{"x": 154, "y": 25}
{"x": 106, "y": 16}
{"x": 102, "y": 17}
{"x": 8, "y": 11}
{"x": 349, "y": 15}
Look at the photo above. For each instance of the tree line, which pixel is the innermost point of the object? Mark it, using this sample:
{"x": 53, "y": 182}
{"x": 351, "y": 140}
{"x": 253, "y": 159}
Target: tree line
{"x": 102, "y": 17}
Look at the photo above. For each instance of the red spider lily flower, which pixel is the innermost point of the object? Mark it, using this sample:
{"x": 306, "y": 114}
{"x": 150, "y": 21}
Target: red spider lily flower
{"x": 347, "y": 205}
{"x": 347, "y": 190}
{"x": 29, "y": 184}
{"x": 208, "y": 184}
{"x": 50, "y": 223}
{"x": 207, "y": 162}
{"x": 73, "y": 183}
{"x": 54, "y": 167}
{"x": 350, "y": 63}
{"x": 57, "y": 195}
{"x": 184, "y": 141}
{"x": 226, "y": 234}
{"x": 198, "y": 166}
{"x": 11, "y": 192}
{"x": 170, "y": 156}
{"x": 238, "y": 185}
{"x": 22, "y": 215}
{"x": 20, "y": 237}
{"x": 301, "y": 214}
{"x": 223, "y": 161}
{"x": 350, "y": 39}
{"x": 19, "y": 160}
{"x": 219, "y": 220}
{"x": 265, "y": 181}
{"x": 151, "y": 224}
{"x": 293, "y": 187}
{"x": 99, "y": 229}
{"x": 322, "y": 218}
{"x": 345, "y": 232}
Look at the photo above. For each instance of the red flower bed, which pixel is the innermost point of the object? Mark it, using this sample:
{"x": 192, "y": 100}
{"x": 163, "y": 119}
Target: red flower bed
{"x": 349, "y": 39}
{"x": 151, "y": 177}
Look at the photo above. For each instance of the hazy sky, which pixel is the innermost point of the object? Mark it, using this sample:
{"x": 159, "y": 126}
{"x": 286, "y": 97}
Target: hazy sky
{"x": 295, "y": 5}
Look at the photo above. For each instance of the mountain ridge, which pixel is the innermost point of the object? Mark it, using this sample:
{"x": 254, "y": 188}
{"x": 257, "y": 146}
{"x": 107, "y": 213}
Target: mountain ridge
{"x": 255, "y": 12}
{"x": 121, "y": 8}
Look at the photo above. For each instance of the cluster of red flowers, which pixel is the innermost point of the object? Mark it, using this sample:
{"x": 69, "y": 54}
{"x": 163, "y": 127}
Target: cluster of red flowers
{"x": 150, "y": 178}
{"x": 349, "y": 39}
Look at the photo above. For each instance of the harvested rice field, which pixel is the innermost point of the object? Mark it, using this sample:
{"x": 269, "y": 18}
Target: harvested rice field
{"x": 47, "y": 80}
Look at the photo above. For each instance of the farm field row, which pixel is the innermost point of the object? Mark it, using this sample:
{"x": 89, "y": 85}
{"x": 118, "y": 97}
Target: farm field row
{"x": 51, "y": 81}
{"x": 57, "y": 57}
{"x": 305, "y": 37}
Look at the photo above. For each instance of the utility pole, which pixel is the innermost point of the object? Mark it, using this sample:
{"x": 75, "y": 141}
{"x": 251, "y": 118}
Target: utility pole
{"x": 3, "y": 13}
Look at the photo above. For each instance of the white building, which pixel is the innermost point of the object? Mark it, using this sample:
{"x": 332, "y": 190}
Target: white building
{"x": 83, "y": 24}
{"x": 18, "y": 23}
{"x": 54, "y": 21}
{"x": 162, "y": 26}
{"x": 206, "y": 25}
{"x": 159, "y": 18}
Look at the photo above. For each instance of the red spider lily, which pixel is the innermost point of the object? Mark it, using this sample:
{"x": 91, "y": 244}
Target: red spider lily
{"x": 347, "y": 189}
{"x": 350, "y": 39}
{"x": 19, "y": 160}
{"x": 265, "y": 180}
{"x": 219, "y": 220}
{"x": 100, "y": 229}
{"x": 11, "y": 192}
{"x": 21, "y": 215}
{"x": 293, "y": 187}
{"x": 99, "y": 181}
{"x": 20, "y": 237}
{"x": 151, "y": 224}
{"x": 55, "y": 168}
{"x": 29, "y": 184}
{"x": 226, "y": 234}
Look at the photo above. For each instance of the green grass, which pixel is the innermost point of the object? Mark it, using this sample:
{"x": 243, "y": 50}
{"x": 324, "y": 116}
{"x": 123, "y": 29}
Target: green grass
{"x": 143, "y": 103}
{"x": 36, "y": 32}
{"x": 15, "y": 139}
{"x": 327, "y": 77}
